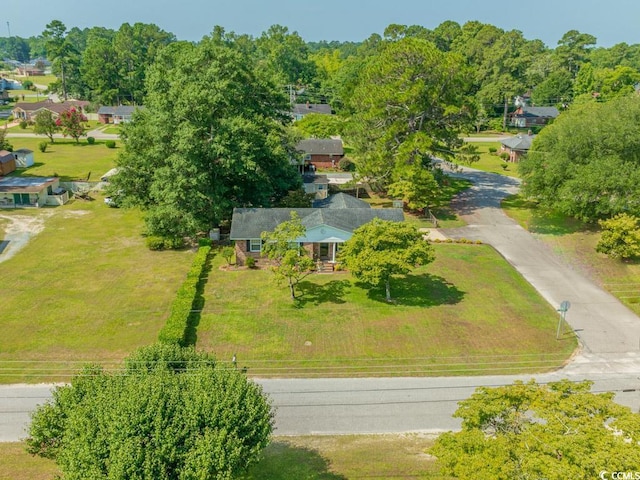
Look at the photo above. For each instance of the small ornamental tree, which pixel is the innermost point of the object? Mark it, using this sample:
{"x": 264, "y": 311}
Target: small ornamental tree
{"x": 417, "y": 188}
{"x": 468, "y": 154}
{"x": 71, "y": 123}
{"x": 4, "y": 143}
{"x": 291, "y": 261}
{"x": 555, "y": 431}
{"x": 45, "y": 124}
{"x": 620, "y": 237}
{"x": 170, "y": 413}
{"x": 227, "y": 253}
{"x": 380, "y": 250}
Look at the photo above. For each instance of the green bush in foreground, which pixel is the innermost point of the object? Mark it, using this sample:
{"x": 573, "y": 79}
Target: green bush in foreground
{"x": 110, "y": 144}
{"x": 170, "y": 413}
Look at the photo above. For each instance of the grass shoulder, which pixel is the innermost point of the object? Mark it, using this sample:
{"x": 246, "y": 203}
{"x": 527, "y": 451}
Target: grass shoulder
{"x": 327, "y": 457}
{"x": 576, "y": 242}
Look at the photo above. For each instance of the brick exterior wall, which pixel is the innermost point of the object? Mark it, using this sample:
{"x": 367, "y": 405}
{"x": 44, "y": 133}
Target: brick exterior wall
{"x": 242, "y": 252}
{"x": 326, "y": 161}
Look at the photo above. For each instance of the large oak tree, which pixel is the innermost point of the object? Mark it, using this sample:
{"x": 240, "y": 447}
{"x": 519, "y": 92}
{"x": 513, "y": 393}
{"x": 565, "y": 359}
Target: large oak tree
{"x": 409, "y": 106}
{"x": 586, "y": 163}
{"x": 211, "y": 137}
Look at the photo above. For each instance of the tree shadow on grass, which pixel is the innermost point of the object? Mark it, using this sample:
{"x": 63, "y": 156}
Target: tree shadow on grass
{"x": 191, "y": 332}
{"x": 312, "y": 293}
{"x": 283, "y": 461}
{"x": 424, "y": 290}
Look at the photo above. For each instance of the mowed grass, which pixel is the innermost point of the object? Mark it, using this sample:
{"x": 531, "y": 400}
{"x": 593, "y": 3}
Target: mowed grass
{"x": 66, "y": 159}
{"x": 576, "y": 242}
{"x": 492, "y": 162}
{"x": 84, "y": 289}
{"x": 375, "y": 457}
{"x": 446, "y": 320}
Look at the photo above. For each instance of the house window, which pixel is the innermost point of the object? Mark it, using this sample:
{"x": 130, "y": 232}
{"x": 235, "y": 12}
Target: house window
{"x": 255, "y": 245}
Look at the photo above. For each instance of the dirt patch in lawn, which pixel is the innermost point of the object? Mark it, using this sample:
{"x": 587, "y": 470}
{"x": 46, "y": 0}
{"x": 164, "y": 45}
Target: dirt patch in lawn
{"x": 19, "y": 230}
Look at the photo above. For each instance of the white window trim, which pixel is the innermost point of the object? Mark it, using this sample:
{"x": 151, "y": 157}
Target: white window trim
{"x": 252, "y": 245}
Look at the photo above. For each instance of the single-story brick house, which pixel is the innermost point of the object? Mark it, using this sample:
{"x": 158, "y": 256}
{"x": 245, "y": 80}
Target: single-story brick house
{"x": 7, "y": 162}
{"x": 28, "y": 111}
{"x": 117, "y": 115}
{"x": 24, "y": 157}
{"x": 517, "y": 146}
{"x": 328, "y": 225}
{"x": 526, "y": 117}
{"x": 302, "y": 109}
{"x": 31, "y": 192}
{"x": 321, "y": 152}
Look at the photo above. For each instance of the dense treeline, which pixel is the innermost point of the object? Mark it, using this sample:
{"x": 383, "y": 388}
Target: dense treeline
{"x": 108, "y": 66}
{"x": 215, "y": 135}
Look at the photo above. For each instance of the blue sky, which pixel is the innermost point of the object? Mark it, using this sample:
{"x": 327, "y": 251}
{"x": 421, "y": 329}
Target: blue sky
{"x": 611, "y": 21}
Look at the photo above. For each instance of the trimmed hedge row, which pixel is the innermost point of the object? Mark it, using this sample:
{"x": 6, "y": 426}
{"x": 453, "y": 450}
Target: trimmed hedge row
{"x": 174, "y": 330}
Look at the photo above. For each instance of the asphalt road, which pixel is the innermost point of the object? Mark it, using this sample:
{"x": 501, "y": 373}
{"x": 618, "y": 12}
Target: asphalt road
{"x": 610, "y": 334}
{"x": 348, "y": 406}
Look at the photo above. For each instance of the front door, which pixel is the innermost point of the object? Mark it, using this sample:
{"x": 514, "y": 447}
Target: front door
{"x": 324, "y": 251}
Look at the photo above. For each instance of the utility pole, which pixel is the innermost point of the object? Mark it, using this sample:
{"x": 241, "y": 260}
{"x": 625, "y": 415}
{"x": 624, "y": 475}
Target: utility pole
{"x": 8, "y": 28}
{"x": 504, "y": 118}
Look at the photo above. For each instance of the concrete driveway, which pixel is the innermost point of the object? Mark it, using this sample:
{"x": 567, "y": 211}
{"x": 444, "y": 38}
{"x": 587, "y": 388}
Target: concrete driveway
{"x": 608, "y": 331}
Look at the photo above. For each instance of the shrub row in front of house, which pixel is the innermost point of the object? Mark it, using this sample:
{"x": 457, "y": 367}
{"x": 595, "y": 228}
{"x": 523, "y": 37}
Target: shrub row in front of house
{"x": 175, "y": 329}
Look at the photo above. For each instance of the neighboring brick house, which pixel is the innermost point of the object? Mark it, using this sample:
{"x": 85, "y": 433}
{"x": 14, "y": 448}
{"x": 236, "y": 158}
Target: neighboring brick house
{"x": 321, "y": 152}
{"x": 517, "y": 146}
{"x": 116, "y": 115}
{"x": 302, "y": 109}
{"x": 328, "y": 225}
{"x": 525, "y": 116}
{"x": 28, "y": 111}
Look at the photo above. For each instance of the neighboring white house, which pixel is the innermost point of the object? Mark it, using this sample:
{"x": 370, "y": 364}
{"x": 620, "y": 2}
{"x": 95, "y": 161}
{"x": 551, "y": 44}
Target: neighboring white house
{"x": 31, "y": 192}
{"x": 317, "y": 185}
{"x": 24, "y": 157}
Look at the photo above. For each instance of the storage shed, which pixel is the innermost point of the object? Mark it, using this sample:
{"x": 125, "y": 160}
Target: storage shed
{"x": 24, "y": 157}
{"x": 7, "y": 162}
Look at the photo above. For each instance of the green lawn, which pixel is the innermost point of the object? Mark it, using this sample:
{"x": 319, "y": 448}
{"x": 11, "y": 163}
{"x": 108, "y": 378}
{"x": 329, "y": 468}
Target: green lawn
{"x": 375, "y": 457}
{"x": 492, "y": 162}
{"x": 444, "y": 321}
{"x": 577, "y": 242}
{"x": 84, "y": 289}
{"x": 66, "y": 159}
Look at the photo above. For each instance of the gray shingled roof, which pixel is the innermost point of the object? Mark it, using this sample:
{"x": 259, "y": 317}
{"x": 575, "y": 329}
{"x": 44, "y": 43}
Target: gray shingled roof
{"x": 120, "y": 110}
{"x": 551, "y": 112}
{"x": 340, "y": 200}
{"x": 519, "y": 142}
{"x": 249, "y": 223}
{"x": 305, "y": 108}
{"x": 321, "y": 146}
